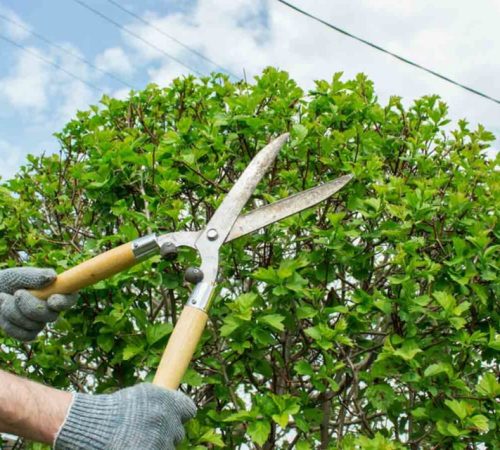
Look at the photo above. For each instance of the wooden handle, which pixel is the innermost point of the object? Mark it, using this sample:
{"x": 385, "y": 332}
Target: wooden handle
{"x": 90, "y": 272}
{"x": 181, "y": 347}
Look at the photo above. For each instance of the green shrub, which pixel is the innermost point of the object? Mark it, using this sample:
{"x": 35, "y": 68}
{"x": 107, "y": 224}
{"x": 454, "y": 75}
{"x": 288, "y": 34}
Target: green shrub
{"x": 368, "y": 322}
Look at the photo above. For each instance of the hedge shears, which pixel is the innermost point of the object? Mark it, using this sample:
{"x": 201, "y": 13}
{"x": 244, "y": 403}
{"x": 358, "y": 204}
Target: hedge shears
{"x": 226, "y": 224}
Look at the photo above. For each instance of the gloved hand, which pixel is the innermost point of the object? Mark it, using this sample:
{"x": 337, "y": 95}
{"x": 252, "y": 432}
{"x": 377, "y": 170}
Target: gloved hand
{"x": 22, "y": 315}
{"x": 143, "y": 417}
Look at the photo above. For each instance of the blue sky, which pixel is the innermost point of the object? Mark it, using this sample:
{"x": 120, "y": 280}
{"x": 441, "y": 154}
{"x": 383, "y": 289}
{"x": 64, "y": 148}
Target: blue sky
{"x": 457, "y": 38}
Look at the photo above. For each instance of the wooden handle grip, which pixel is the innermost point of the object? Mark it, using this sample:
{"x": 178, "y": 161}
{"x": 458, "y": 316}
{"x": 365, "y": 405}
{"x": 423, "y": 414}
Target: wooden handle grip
{"x": 180, "y": 348}
{"x": 90, "y": 272}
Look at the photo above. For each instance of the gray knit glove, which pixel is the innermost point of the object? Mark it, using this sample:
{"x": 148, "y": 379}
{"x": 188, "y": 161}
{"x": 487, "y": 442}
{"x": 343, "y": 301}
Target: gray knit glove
{"x": 22, "y": 315}
{"x": 143, "y": 417}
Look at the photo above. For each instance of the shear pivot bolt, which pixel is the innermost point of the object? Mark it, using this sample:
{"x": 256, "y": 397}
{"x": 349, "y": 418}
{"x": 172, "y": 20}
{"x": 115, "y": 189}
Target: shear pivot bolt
{"x": 193, "y": 275}
{"x": 212, "y": 234}
{"x": 168, "y": 251}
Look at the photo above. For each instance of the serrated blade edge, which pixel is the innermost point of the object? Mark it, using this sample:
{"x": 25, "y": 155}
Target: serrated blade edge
{"x": 274, "y": 212}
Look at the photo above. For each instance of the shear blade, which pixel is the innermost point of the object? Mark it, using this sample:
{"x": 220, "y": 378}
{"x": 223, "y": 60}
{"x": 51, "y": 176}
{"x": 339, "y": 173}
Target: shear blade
{"x": 268, "y": 214}
{"x": 224, "y": 218}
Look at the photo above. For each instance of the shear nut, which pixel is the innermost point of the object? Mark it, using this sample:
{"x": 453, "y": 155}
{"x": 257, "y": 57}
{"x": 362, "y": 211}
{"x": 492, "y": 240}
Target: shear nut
{"x": 212, "y": 234}
{"x": 193, "y": 275}
{"x": 168, "y": 251}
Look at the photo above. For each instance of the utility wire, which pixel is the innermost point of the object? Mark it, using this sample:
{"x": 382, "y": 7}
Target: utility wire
{"x": 65, "y": 50}
{"x": 48, "y": 61}
{"x": 140, "y": 38}
{"x": 159, "y": 30}
{"x": 377, "y": 47}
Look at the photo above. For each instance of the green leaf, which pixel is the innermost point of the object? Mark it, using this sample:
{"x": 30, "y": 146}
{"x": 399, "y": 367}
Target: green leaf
{"x": 286, "y": 269}
{"x": 156, "y": 332}
{"x": 281, "y": 419}
{"x": 131, "y": 350}
{"x": 259, "y": 431}
{"x": 384, "y": 305}
{"x": 494, "y": 341}
{"x": 479, "y": 423}
{"x": 268, "y": 275}
{"x": 262, "y": 336}
{"x": 231, "y": 324}
{"x": 446, "y": 300}
{"x": 379, "y": 442}
{"x": 373, "y": 203}
{"x": 408, "y": 350}
{"x": 304, "y": 368}
{"x": 211, "y": 437}
{"x": 438, "y": 368}
{"x": 314, "y": 332}
{"x": 300, "y": 131}
{"x": 449, "y": 429}
{"x": 303, "y": 445}
{"x": 398, "y": 279}
{"x": 297, "y": 284}
{"x": 240, "y": 416}
{"x": 306, "y": 312}
{"x": 106, "y": 341}
{"x": 98, "y": 184}
{"x": 419, "y": 413}
{"x": 488, "y": 385}
{"x": 458, "y": 322}
{"x": 381, "y": 396}
{"x": 458, "y": 407}
{"x": 192, "y": 378}
{"x": 461, "y": 308}
{"x": 273, "y": 320}
{"x": 244, "y": 301}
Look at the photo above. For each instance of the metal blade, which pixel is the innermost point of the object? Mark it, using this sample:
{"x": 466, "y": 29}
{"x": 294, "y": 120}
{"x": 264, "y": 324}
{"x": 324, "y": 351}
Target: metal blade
{"x": 223, "y": 219}
{"x": 261, "y": 217}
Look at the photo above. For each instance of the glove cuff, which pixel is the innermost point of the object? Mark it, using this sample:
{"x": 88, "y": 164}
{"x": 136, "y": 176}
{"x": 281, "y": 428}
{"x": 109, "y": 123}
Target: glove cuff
{"x": 89, "y": 423}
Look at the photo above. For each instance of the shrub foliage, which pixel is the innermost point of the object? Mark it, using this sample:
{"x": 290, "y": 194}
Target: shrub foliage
{"x": 368, "y": 322}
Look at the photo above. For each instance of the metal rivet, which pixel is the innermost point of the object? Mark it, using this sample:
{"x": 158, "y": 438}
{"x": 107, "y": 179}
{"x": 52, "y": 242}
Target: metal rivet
{"x": 193, "y": 275}
{"x": 212, "y": 234}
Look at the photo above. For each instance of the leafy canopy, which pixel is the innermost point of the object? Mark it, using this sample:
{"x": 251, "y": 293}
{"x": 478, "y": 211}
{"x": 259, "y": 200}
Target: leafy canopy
{"x": 368, "y": 322}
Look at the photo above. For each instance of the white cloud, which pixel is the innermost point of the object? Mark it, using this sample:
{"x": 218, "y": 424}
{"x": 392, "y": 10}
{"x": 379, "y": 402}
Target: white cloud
{"x": 25, "y": 88}
{"x": 9, "y": 27}
{"x": 44, "y": 98}
{"x": 121, "y": 94}
{"x": 396, "y": 7}
{"x": 11, "y": 158}
{"x": 71, "y": 94}
{"x": 228, "y": 33}
{"x": 75, "y": 96}
{"x": 456, "y": 38}
{"x": 114, "y": 60}
{"x": 163, "y": 74}
{"x": 45, "y": 93}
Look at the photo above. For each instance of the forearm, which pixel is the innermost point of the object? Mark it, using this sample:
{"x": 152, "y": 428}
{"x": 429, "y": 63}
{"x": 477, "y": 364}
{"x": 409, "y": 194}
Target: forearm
{"x": 31, "y": 410}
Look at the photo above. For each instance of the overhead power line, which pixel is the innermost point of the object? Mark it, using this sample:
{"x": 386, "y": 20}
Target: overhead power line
{"x": 65, "y": 50}
{"x": 381, "y": 49}
{"x": 52, "y": 63}
{"x": 159, "y": 30}
{"x": 135, "y": 35}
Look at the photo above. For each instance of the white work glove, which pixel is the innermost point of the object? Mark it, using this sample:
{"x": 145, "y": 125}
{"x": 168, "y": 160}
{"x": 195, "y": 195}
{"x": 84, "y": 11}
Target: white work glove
{"x": 22, "y": 315}
{"x": 143, "y": 417}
